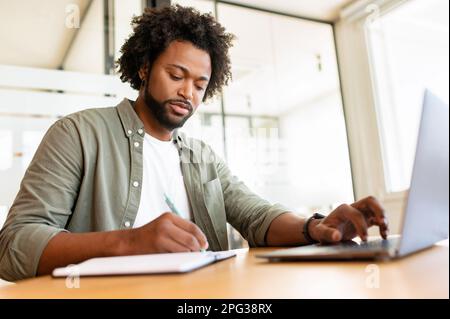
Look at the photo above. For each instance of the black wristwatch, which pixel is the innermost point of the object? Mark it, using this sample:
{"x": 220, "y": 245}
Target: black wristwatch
{"x": 306, "y": 227}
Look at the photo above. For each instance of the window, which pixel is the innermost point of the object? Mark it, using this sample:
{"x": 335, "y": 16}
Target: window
{"x": 409, "y": 51}
{"x": 284, "y": 124}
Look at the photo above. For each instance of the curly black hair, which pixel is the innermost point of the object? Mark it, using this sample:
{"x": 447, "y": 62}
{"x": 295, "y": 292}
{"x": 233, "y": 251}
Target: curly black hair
{"x": 155, "y": 29}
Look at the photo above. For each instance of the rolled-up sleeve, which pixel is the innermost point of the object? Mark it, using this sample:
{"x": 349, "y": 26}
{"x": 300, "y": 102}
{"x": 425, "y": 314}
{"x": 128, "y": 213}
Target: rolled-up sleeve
{"x": 246, "y": 211}
{"x": 44, "y": 202}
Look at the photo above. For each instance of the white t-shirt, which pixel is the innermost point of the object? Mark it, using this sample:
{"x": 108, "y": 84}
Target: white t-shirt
{"x": 161, "y": 174}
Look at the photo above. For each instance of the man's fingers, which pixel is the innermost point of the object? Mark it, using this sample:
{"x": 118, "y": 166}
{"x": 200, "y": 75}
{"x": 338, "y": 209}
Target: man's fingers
{"x": 328, "y": 235}
{"x": 193, "y": 229}
{"x": 184, "y": 238}
{"x": 357, "y": 219}
{"x": 380, "y": 216}
{"x": 373, "y": 206}
{"x": 171, "y": 246}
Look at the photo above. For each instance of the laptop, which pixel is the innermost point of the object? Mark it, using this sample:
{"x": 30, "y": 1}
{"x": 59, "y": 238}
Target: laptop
{"x": 425, "y": 219}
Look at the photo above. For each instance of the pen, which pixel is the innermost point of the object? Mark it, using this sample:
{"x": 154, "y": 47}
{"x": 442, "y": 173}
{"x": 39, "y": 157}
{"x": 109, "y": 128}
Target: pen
{"x": 175, "y": 210}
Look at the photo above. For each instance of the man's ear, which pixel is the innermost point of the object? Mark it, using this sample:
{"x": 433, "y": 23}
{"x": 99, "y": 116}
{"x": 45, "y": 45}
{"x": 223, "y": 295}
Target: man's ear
{"x": 143, "y": 72}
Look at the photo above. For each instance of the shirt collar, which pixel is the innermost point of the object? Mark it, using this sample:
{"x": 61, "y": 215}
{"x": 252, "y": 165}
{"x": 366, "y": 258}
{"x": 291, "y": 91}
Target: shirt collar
{"x": 131, "y": 122}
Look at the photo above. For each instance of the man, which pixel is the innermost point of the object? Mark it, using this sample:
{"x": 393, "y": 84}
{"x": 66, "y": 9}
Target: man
{"x": 97, "y": 183}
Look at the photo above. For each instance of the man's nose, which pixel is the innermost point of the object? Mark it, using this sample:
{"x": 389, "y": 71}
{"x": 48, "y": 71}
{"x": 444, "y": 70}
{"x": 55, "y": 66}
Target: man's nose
{"x": 186, "y": 91}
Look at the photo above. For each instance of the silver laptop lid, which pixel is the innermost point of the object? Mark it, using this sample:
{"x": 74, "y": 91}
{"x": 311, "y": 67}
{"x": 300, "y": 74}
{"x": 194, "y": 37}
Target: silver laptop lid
{"x": 426, "y": 215}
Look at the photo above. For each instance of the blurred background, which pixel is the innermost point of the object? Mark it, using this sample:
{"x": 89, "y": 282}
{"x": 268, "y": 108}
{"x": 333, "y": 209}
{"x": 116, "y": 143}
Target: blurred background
{"x": 323, "y": 108}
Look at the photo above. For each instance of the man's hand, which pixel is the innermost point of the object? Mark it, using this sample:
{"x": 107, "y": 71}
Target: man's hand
{"x": 348, "y": 221}
{"x": 168, "y": 233}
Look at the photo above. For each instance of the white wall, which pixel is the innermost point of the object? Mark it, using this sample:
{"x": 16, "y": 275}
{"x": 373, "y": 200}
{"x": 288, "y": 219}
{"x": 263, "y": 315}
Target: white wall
{"x": 87, "y": 51}
{"x": 123, "y": 13}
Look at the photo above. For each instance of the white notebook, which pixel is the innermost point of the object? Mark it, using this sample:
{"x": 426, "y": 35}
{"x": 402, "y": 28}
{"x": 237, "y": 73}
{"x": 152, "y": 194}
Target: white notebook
{"x": 143, "y": 264}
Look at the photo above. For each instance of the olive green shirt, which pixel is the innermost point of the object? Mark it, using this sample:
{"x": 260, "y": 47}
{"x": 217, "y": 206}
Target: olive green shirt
{"x": 86, "y": 176}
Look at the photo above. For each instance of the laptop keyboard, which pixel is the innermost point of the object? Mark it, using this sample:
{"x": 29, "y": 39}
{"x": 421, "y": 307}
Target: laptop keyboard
{"x": 378, "y": 244}
{"x": 343, "y": 250}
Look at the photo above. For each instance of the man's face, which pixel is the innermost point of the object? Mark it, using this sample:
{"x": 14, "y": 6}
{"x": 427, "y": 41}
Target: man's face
{"x": 177, "y": 83}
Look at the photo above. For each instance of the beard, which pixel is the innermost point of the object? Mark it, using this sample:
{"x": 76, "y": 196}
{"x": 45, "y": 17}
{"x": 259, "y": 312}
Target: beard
{"x": 162, "y": 111}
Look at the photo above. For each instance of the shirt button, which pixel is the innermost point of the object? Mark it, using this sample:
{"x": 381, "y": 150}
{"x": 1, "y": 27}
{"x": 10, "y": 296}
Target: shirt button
{"x": 140, "y": 131}
{"x": 127, "y": 224}
{"x": 135, "y": 184}
{"x": 129, "y": 132}
{"x": 136, "y": 144}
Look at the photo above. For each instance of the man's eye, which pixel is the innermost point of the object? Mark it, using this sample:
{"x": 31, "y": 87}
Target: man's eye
{"x": 176, "y": 78}
{"x": 200, "y": 88}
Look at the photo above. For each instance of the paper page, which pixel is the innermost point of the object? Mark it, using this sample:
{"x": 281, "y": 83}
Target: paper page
{"x": 143, "y": 264}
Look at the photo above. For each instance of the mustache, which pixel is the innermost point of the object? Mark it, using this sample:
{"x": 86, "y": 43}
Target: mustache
{"x": 183, "y": 103}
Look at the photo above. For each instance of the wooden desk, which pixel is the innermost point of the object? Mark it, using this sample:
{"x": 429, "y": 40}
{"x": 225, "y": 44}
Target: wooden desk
{"x": 422, "y": 275}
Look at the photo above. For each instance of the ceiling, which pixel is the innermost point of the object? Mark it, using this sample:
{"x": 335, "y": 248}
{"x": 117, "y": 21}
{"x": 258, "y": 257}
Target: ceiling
{"x": 327, "y": 10}
{"x": 34, "y": 33}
